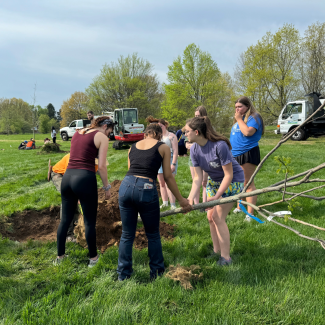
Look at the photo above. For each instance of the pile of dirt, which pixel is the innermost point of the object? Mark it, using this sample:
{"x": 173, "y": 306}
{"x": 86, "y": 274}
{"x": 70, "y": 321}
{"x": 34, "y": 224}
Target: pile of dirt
{"x": 109, "y": 225}
{"x": 32, "y": 224}
{"x": 43, "y": 225}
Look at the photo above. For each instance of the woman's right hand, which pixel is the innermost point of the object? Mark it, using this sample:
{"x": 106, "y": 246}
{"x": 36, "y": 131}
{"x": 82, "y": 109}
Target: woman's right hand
{"x": 185, "y": 204}
{"x": 107, "y": 195}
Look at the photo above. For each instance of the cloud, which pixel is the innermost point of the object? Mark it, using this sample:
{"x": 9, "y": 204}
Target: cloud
{"x": 63, "y": 44}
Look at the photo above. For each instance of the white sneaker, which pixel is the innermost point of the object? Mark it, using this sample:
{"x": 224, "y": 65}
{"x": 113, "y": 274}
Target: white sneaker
{"x": 163, "y": 206}
{"x": 237, "y": 211}
{"x": 248, "y": 218}
{"x": 172, "y": 207}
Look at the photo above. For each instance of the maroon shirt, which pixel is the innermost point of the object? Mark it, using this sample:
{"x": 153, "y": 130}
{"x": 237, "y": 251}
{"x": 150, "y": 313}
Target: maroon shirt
{"x": 83, "y": 151}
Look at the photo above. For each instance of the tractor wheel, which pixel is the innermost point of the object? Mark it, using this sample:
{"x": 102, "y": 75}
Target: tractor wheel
{"x": 64, "y": 136}
{"x": 118, "y": 145}
{"x": 299, "y": 135}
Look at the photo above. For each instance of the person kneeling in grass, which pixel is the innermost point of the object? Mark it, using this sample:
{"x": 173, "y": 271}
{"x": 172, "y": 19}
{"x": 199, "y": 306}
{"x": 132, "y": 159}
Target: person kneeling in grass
{"x": 211, "y": 153}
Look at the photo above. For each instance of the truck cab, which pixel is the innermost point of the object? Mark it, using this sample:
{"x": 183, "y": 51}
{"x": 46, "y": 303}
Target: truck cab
{"x": 295, "y": 113}
{"x": 68, "y": 131}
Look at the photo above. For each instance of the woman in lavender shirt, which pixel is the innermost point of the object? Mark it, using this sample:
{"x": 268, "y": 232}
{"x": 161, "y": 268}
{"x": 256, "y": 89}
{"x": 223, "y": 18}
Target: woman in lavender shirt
{"x": 211, "y": 153}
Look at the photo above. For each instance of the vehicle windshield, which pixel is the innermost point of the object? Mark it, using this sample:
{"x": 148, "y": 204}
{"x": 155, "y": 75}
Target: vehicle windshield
{"x": 130, "y": 116}
{"x": 294, "y": 108}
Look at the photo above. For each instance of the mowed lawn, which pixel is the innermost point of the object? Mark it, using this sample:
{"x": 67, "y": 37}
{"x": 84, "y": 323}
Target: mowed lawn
{"x": 277, "y": 277}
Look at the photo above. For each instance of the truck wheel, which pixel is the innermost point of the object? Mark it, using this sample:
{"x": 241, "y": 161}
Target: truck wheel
{"x": 299, "y": 135}
{"x": 118, "y": 145}
{"x": 64, "y": 136}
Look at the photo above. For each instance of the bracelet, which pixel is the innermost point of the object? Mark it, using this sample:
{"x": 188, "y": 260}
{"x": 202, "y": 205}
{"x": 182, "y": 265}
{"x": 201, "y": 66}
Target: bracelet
{"x": 106, "y": 188}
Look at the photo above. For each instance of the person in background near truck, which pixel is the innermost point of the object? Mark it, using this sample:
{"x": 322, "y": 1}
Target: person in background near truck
{"x": 182, "y": 151}
{"x": 53, "y": 134}
{"x": 171, "y": 140}
{"x": 57, "y": 172}
{"x": 138, "y": 194}
{"x": 211, "y": 153}
{"x": 244, "y": 137}
{"x": 200, "y": 111}
{"x": 30, "y": 144}
{"x": 79, "y": 183}
{"x": 90, "y": 115}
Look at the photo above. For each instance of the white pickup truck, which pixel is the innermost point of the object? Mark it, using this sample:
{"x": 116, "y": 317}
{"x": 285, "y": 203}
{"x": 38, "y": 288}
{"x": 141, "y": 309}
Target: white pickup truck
{"x": 68, "y": 131}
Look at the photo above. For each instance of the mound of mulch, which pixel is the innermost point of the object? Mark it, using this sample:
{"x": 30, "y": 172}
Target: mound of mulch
{"x": 42, "y": 225}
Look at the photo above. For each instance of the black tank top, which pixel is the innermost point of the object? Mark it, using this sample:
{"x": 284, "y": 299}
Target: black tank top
{"x": 145, "y": 163}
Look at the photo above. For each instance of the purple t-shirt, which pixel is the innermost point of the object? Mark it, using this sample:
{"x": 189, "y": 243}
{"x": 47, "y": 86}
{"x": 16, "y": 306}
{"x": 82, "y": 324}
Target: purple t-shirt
{"x": 212, "y": 157}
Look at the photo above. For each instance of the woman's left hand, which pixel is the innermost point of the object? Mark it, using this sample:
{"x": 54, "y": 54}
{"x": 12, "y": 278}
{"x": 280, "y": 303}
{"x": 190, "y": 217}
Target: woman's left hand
{"x": 238, "y": 116}
{"x": 213, "y": 198}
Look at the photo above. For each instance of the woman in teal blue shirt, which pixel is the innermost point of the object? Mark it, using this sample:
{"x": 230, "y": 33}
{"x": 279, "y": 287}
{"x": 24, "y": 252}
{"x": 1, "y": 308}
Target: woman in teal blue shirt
{"x": 244, "y": 137}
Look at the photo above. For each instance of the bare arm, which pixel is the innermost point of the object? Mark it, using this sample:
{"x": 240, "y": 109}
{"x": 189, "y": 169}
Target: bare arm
{"x": 164, "y": 150}
{"x": 174, "y": 142}
{"x": 247, "y": 131}
{"x": 129, "y": 164}
{"x": 101, "y": 142}
{"x": 196, "y": 184}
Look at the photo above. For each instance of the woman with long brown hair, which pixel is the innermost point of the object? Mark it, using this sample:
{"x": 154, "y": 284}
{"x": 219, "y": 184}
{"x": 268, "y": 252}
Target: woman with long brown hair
{"x": 211, "y": 153}
{"x": 138, "y": 194}
{"x": 244, "y": 137}
{"x": 79, "y": 183}
{"x": 171, "y": 140}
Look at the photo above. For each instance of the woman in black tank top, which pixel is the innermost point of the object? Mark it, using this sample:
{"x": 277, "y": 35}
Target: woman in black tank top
{"x": 138, "y": 194}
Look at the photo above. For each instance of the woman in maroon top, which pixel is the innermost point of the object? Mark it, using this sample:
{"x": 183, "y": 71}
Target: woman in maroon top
{"x": 79, "y": 182}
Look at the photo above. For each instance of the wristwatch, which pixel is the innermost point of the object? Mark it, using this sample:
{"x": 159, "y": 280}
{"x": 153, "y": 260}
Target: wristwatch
{"x": 106, "y": 188}
{"x": 173, "y": 164}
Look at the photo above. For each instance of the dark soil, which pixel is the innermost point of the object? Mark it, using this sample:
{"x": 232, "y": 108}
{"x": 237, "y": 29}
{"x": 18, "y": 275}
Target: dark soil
{"x": 43, "y": 225}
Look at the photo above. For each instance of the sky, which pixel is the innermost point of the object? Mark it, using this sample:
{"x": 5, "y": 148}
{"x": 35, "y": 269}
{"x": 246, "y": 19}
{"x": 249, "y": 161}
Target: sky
{"x": 60, "y": 46}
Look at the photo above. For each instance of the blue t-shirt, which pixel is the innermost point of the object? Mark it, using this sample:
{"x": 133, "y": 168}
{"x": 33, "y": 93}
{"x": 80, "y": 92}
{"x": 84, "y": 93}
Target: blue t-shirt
{"x": 241, "y": 144}
{"x": 212, "y": 157}
{"x": 180, "y": 138}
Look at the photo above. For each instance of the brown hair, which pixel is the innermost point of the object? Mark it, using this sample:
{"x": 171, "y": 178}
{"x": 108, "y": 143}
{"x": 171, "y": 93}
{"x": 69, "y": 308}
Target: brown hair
{"x": 151, "y": 119}
{"x": 154, "y": 130}
{"x": 251, "y": 111}
{"x": 204, "y": 127}
{"x": 100, "y": 121}
{"x": 91, "y": 112}
{"x": 202, "y": 110}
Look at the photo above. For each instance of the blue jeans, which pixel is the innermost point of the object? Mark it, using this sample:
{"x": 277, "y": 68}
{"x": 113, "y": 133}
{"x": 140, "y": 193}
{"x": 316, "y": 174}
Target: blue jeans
{"x": 134, "y": 199}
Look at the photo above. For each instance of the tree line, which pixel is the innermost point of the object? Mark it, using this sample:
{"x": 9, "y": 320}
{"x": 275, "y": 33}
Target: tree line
{"x": 280, "y": 67}
{"x": 17, "y": 116}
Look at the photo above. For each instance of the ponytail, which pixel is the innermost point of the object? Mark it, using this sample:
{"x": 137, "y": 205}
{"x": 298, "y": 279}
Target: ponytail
{"x": 204, "y": 128}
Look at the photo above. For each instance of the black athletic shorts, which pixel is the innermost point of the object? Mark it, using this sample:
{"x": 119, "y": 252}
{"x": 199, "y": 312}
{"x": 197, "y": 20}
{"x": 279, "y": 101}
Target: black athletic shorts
{"x": 182, "y": 150}
{"x": 252, "y": 156}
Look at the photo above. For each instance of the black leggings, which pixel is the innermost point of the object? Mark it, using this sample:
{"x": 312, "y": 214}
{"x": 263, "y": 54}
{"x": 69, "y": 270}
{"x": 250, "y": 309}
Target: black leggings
{"x": 79, "y": 184}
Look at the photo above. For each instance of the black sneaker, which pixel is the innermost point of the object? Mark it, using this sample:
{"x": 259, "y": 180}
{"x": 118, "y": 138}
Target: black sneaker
{"x": 213, "y": 255}
{"x": 223, "y": 262}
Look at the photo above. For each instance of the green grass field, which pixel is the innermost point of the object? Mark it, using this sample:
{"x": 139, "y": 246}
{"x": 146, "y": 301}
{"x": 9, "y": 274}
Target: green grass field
{"x": 277, "y": 277}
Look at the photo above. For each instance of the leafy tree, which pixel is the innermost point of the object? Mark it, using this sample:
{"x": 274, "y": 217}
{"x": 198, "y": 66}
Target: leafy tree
{"x": 15, "y": 116}
{"x": 312, "y": 62}
{"x": 51, "y": 111}
{"x": 194, "y": 80}
{"x": 42, "y": 111}
{"x": 44, "y": 126}
{"x": 268, "y": 72}
{"x": 128, "y": 83}
{"x": 74, "y": 108}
